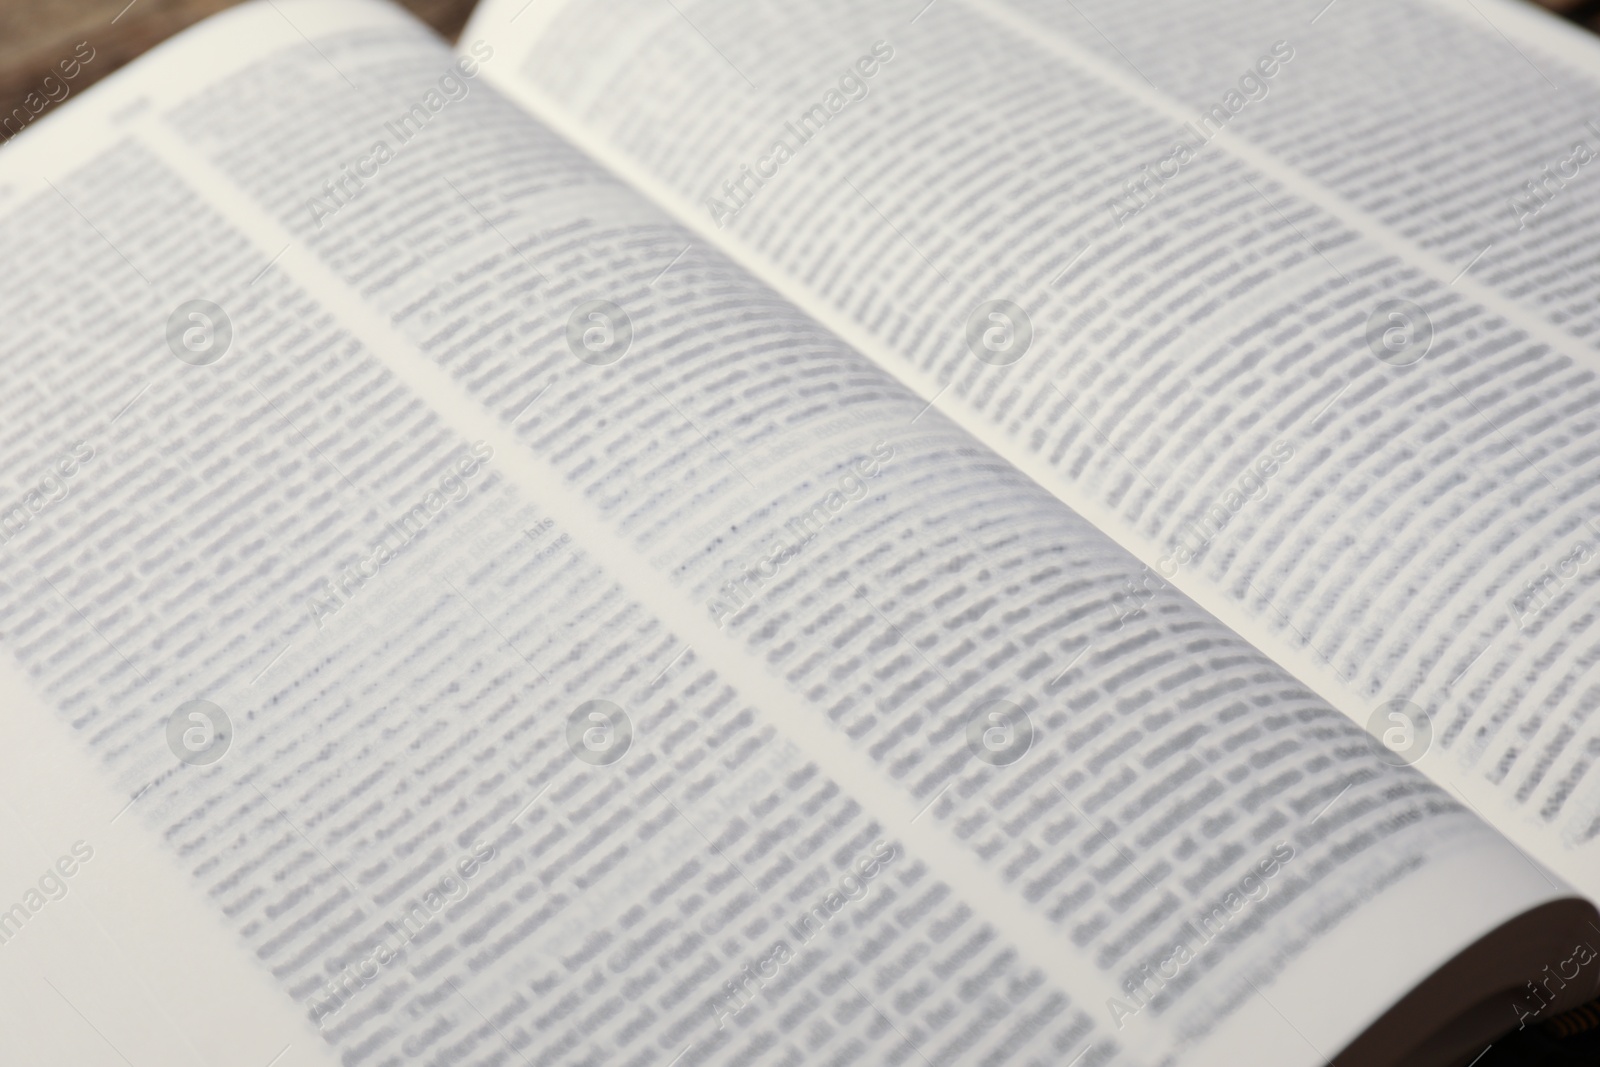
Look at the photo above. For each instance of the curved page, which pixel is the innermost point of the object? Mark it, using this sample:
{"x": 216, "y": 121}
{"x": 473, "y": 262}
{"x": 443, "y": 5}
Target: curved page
{"x": 1298, "y": 302}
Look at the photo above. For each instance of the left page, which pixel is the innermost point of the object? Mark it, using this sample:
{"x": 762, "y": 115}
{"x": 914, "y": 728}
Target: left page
{"x": 537, "y": 640}
{"x": 109, "y": 953}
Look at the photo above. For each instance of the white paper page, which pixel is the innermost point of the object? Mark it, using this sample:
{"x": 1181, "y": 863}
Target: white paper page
{"x": 1199, "y": 381}
{"x": 408, "y": 527}
{"x": 122, "y": 961}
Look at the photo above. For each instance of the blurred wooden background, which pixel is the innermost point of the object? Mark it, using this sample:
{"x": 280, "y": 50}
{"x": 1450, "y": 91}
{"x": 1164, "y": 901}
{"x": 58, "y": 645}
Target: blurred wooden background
{"x": 36, "y": 34}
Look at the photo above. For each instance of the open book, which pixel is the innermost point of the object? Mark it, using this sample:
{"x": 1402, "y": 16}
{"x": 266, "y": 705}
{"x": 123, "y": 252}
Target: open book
{"x": 711, "y": 533}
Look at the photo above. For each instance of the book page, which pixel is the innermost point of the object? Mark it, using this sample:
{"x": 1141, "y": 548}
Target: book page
{"x": 108, "y": 954}
{"x": 538, "y": 639}
{"x": 1297, "y": 302}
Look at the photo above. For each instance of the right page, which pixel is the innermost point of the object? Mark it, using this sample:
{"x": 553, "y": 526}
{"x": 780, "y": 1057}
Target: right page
{"x": 1297, "y": 301}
